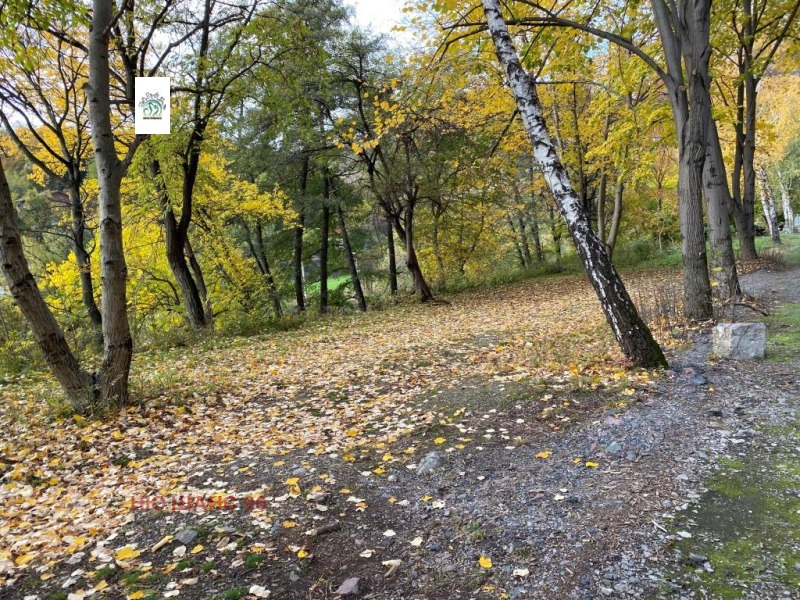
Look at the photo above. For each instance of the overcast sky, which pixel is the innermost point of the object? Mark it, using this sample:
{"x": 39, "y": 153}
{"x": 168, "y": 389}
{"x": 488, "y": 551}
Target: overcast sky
{"x": 380, "y": 15}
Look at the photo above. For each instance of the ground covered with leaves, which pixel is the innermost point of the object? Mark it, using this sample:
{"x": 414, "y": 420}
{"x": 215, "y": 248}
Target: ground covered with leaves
{"x": 491, "y": 447}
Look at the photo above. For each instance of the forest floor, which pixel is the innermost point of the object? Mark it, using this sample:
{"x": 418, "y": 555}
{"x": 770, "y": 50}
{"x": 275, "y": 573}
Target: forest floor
{"x": 491, "y": 447}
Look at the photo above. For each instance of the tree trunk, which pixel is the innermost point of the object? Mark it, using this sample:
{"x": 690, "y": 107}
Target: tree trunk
{"x": 747, "y": 235}
{"x": 537, "y": 240}
{"x": 175, "y": 243}
{"x": 722, "y": 262}
{"x": 684, "y": 32}
{"x": 299, "y": 288}
{"x": 272, "y": 289}
{"x": 197, "y": 274}
{"x": 517, "y": 244}
{"x": 82, "y": 257}
{"x": 351, "y": 262}
{"x": 323, "y": 249}
{"x": 788, "y": 212}
{"x": 421, "y": 288}
{"x": 118, "y": 345}
{"x": 631, "y": 332}
{"x": 392, "y": 257}
{"x": 523, "y": 234}
{"x": 78, "y": 384}
{"x": 555, "y": 234}
{"x": 768, "y": 204}
{"x": 616, "y": 219}
{"x": 437, "y": 250}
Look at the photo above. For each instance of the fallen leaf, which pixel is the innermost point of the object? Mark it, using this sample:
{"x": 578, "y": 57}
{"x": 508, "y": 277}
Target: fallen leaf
{"x": 288, "y": 524}
{"x": 389, "y": 533}
{"x": 485, "y": 562}
{"x": 127, "y": 553}
{"x": 439, "y": 440}
{"x": 393, "y": 566}
{"x": 545, "y": 454}
{"x": 592, "y": 465}
{"x": 416, "y": 542}
{"x": 521, "y": 572}
{"x": 197, "y": 549}
{"x": 367, "y": 553}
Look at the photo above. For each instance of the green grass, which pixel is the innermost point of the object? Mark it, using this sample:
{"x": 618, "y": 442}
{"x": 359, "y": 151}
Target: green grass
{"x": 748, "y": 523}
{"x": 783, "y": 342}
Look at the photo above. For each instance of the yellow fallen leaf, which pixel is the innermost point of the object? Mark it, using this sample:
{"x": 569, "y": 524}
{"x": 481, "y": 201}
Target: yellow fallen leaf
{"x": 427, "y": 498}
{"x": 352, "y": 432}
{"x": 392, "y": 500}
{"x": 25, "y": 559}
{"x": 301, "y": 553}
{"x": 101, "y": 586}
{"x": 136, "y": 595}
{"x": 279, "y": 463}
{"x": 197, "y": 549}
{"x": 379, "y": 470}
{"x": 45, "y": 576}
{"x": 439, "y": 440}
{"x": 291, "y": 481}
{"x": 592, "y": 465}
{"x": 545, "y": 454}
{"x": 387, "y": 457}
{"x": 127, "y": 553}
{"x": 485, "y": 562}
{"x": 289, "y": 524}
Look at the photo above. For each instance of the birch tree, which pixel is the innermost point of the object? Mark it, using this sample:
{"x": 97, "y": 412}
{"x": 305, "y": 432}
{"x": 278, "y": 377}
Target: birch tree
{"x": 632, "y": 334}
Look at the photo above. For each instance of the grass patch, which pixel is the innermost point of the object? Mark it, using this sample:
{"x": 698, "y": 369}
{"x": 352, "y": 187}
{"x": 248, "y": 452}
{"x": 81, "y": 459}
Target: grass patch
{"x": 748, "y": 523}
{"x": 783, "y": 342}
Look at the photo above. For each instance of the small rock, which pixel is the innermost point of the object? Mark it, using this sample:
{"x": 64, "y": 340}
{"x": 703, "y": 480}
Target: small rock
{"x": 186, "y": 536}
{"x": 614, "y": 448}
{"x": 573, "y": 499}
{"x": 349, "y": 587}
{"x": 797, "y": 566}
{"x": 697, "y": 559}
{"x": 431, "y": 462}
{"x": 715, "y": 412}
{"x": 434, "y": 547}
{"x": 606, "y": 591}
{"x": 698, "y": 380}
{"x": 631, "y": 456}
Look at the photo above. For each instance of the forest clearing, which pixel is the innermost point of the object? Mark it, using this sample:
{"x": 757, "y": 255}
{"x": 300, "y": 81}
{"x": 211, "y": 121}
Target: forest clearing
{"x": 401, "y": 299}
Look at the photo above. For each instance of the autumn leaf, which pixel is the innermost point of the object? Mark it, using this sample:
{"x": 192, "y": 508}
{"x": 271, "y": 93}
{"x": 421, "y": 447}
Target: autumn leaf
{"x": 289, "y": 524}
{"x": 485, "y": 562}
{"x": 197, "y": 549}
{"x": 545, "y": 454}
{"x": 439, "y": 440}
{"x": 592, "y": 465}
{"x": 127, "y": 553}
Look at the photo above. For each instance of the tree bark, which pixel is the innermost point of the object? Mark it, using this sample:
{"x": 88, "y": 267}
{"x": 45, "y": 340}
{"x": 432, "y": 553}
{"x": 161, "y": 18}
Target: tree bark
{"x": 82, "y": 257}
{"x": 517, "y": 244}
{"x": 523, "y": 234}
{"x": 323, "y": 250}
{"x": 722, "y": 262}
{"x": 437, "y": 250}
{"x": 788, "y": 212}
{"x": 684, "y": 33}
{"x": 78, "y": 384}
{"x": 197, "y": 274}
{"x": 175, "y": 245}
{"x": 421, "y": 288}
{"x": 299, "y": 287}
{"x": 392, "y": 257}
{"x": 632, "y": 334}
{"x": 272, "y": 288}
{"x": 118, "y": 344}
{"x": 351, "y": 262}
{"x": 616, "y": 218}
{"x": 768, "y": 204}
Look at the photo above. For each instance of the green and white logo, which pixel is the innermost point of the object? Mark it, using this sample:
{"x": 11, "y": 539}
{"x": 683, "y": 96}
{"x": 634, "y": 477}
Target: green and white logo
{"x": 153, "y": 106}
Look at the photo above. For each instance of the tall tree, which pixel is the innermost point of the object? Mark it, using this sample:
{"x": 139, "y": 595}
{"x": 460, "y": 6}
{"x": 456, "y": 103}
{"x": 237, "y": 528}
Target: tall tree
{"x": 45, "y": 98}
{"x": 631, "y": 332}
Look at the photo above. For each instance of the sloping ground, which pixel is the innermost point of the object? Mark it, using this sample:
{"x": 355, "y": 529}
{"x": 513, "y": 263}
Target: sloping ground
{"x": 557, "y": 474}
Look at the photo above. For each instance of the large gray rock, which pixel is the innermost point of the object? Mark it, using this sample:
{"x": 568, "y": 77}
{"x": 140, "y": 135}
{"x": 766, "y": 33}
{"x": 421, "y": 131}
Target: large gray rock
{"x": 350, "y": 587}
{"x": 740, "y": 341}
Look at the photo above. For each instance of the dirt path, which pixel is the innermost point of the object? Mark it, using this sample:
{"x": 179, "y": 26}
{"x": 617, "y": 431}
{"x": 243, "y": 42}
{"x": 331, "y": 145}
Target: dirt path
{"x": 548, "y": 488}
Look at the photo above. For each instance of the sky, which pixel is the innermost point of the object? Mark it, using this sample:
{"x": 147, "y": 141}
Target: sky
{"x": 381, "y": 15}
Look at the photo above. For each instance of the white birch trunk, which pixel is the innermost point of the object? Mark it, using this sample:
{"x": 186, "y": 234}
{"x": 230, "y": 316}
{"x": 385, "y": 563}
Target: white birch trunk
{"x": 631, "y": 332}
